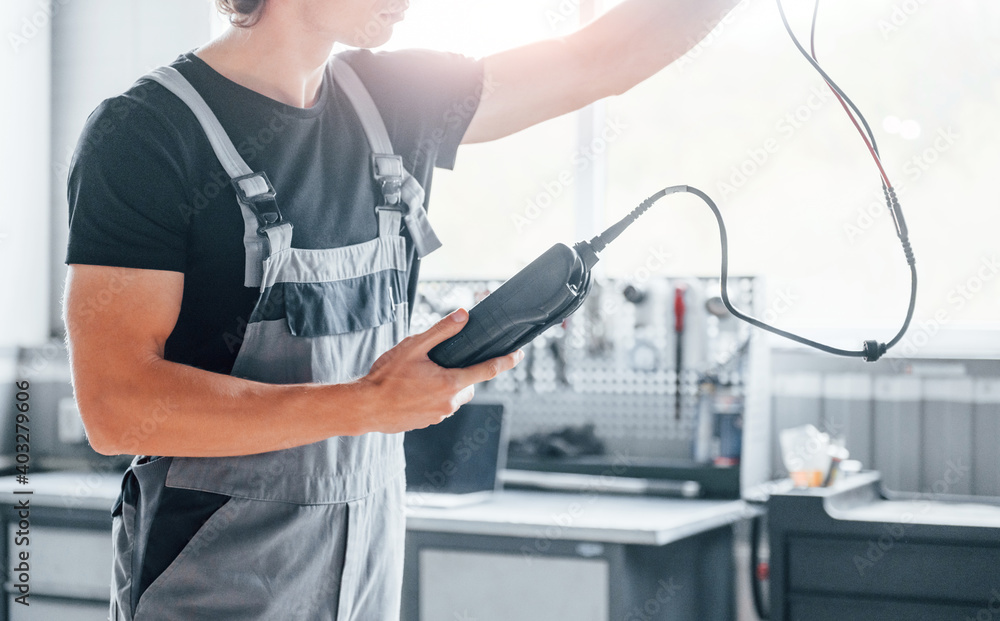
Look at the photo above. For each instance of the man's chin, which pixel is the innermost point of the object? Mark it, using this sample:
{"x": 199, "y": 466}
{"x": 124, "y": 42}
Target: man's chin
{"x": 374, "y": 35}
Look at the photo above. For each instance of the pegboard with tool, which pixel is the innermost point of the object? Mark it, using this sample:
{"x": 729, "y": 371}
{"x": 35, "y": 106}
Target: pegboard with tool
{"x": 658, "y": 368}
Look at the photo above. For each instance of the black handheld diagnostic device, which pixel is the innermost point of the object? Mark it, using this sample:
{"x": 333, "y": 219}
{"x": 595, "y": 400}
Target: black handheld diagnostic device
{"x": 541, "y": 295}
{"x": 545, "y": 292}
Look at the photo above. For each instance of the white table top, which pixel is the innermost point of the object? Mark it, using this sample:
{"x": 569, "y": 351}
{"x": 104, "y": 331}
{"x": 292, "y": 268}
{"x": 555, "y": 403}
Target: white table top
{"x": 869, "y": 506}
{"x": 936, "y": 513}
{"x": 587, "y": 517}
{"x": 65, "y": 489}
{"x": 513, "y": 513}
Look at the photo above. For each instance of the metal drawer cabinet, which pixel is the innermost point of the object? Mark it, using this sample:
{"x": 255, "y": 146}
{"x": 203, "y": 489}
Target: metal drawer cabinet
{"x": 851, "y": 553}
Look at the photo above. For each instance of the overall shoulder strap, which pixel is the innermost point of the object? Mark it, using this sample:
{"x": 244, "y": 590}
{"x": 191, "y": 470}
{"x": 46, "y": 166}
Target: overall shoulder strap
{"x": 384, "y": 160}
{"x": 264, "y": 229}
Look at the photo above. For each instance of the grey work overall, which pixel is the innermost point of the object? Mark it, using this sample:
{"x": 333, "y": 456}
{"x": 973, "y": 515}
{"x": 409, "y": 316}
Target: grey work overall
{"x": 310, "y": 532}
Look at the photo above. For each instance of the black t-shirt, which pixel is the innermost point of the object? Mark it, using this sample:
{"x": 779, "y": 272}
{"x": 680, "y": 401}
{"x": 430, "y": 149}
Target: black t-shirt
{"x": 147, "y": 191}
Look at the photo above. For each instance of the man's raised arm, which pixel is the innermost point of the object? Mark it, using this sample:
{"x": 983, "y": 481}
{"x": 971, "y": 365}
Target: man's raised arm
{"x": 623, "y": 47}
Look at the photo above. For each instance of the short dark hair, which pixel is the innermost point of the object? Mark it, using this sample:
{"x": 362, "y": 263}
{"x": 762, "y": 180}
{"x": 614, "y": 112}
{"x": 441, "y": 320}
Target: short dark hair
{"x": 241, "y": 13}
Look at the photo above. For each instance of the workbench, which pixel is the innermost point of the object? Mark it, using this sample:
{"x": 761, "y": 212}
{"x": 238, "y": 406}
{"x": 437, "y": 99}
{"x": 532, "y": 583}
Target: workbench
{"x": 523, "y": 555}
{"x": 536, "y": 556}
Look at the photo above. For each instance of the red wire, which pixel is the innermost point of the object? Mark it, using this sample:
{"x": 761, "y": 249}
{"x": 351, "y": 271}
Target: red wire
{"x": 871, "y": 149}
{"x": 868, "y": 143}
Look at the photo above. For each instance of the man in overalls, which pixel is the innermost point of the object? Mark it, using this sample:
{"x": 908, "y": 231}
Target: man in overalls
{"x": 245, "y": 231}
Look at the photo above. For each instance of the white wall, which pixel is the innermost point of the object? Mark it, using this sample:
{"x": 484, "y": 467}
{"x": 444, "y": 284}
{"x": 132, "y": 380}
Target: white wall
{"x": 59, "y": 59}
{"x": 24, "y": 170}
{"x": 99, "y": 48}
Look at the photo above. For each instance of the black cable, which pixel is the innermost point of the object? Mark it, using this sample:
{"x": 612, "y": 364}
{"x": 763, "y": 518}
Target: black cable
{"x": 812, "y": 32}
{"x": 890, "y": 196}
{"x": 872, "y": 350}
{"x": 870, "y": 141}
{"x": 826, "y": 77}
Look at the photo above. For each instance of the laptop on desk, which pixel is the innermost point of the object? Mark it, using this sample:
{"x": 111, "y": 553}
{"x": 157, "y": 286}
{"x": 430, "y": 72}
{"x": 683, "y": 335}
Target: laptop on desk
{"x": 456, "y": 462}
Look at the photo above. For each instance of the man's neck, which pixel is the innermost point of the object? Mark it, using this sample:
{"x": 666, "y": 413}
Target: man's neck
{"x": 273, "y": 58}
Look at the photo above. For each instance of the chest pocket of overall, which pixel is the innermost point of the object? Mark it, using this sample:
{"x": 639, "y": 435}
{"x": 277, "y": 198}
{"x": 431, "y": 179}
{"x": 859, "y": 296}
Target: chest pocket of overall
{"x": 371, "y": 299}
{"x": 339, "y": 307}
{"x": 325, "y": 316}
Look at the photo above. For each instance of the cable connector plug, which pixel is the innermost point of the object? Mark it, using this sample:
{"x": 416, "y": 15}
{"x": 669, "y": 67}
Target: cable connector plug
{"x": 873, "y": 350}
{"x": 897, "y": 214}
{"x": 897, "y": 217}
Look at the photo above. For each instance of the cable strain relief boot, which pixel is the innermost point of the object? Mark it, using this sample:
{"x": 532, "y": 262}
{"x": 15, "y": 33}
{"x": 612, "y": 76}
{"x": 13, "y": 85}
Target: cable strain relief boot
{"x": 908, "y": 251}
{"x": 873, "y": 350}
{"x": 586, "y": 253}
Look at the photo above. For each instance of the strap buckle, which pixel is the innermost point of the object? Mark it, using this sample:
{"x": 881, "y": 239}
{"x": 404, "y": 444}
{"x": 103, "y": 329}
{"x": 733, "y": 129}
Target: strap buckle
{"x": 387, "y": 170}
{"x": 256, "y": 192}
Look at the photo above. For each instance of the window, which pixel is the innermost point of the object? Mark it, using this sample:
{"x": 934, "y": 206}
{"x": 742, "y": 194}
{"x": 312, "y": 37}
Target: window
{"x": 744, "y": 118}
{"x": 504, "y": 204}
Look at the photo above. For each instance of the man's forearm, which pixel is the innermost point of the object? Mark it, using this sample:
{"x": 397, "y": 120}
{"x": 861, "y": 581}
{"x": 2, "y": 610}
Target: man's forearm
{"x": 637, "y": 38}
{"x": 172, "y": 409}
{"x": 133, "y": 401}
